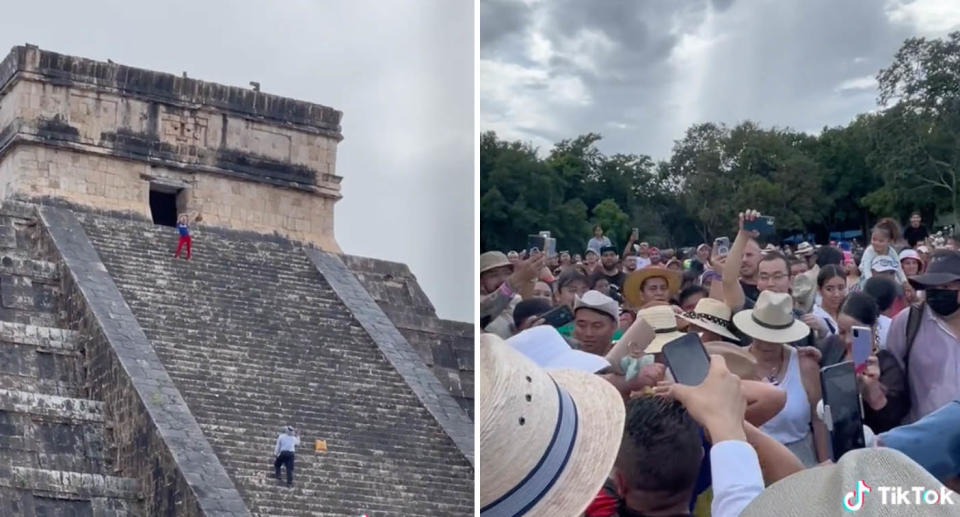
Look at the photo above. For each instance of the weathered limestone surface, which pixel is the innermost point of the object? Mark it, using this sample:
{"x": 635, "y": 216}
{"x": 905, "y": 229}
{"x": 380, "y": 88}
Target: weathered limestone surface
{"x": 445, "y": 346}
{"x": 55, "y": 453}
{"x": 156, "y": 438}
{"x": 98, "y": 134}
{"x": 255, "y": 338}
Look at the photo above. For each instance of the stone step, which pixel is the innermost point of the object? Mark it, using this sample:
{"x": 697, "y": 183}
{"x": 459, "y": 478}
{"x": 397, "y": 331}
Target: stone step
{"x": 15, "y": 263}
{"x": 49, "y": 339}
{"x": 31, "y": 384}
{"x": 51, "y": 406}
{"x": 70, "y": 484}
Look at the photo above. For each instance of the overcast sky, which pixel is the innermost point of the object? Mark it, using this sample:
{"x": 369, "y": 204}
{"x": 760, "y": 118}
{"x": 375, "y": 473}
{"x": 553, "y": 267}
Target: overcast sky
{"x": 400, "y": 71}
{"x": 641, "y": 72}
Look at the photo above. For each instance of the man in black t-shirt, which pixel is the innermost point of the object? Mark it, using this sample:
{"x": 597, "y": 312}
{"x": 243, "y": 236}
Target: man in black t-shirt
{"x": 610, "y": 265}
{"x": 916, "y": 232}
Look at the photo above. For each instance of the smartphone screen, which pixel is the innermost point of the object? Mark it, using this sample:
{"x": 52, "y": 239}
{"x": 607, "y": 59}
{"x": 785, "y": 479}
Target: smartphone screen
{"x": 687, "y": 359}
{"x": 862, "y": 347}
{"x": 558, "y": 316}
{"x": 535, "y": 243}
{"x": 763, "y": 225}
{"x": 841, "y": 402}
{"x": 722, "y": 245}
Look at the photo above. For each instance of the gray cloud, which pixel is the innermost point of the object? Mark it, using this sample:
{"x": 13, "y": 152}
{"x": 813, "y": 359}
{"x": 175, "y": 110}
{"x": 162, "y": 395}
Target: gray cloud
{"x": 402, "y": 73}
{"x": 640, "y": 73}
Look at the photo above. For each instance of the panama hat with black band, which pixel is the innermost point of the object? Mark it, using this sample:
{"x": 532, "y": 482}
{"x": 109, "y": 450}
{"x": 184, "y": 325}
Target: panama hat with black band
{"x": 548, "y": 438}
{"x": 771, "y": 320}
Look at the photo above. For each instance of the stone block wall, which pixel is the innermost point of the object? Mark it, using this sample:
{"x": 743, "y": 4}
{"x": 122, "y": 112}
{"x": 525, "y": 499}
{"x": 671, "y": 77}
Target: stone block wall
{"x": 97, "y": 134}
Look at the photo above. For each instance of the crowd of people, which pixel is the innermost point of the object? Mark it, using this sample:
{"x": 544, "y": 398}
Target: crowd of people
{"x": 580, "y": 415}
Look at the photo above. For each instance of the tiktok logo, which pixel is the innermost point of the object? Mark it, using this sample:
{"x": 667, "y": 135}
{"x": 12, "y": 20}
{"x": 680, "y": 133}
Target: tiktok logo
{"x": 853, "y": 501}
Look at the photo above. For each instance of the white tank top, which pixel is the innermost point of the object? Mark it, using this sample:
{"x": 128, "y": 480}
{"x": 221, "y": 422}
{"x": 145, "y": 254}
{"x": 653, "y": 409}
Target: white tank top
{"x": 792, "y": 423}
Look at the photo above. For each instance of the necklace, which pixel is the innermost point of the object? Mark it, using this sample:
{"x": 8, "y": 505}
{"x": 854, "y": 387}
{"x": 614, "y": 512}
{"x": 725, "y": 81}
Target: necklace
{"x": 775, "y": 372}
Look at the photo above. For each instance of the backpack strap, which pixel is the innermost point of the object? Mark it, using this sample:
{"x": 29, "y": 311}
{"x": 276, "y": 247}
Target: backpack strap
{"x": 913, "y": 326}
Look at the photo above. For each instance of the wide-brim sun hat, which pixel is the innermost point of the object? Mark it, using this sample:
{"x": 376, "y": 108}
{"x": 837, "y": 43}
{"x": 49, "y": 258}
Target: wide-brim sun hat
{"x": 740, "y": 362}
{"x": 711, "y": 315}
{"x": 664, "y": 323}
{"x": 631, "y": 285}
{"x": 823, "y": 490}
{"x": 548, "y": 438}
{"x": 492, "y": 260}
{"x": 771, "y": 320}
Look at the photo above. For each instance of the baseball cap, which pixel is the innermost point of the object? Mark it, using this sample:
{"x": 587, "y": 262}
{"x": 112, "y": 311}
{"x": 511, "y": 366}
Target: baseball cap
{"x": 605, "y": 249}
{"x": 883, "y": 263}
{"x": 944, "y": 268}
{"x": 599, "y": 302}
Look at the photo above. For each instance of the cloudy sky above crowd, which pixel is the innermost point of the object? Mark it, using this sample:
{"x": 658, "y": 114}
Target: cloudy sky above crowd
{"x": 641, "y": 72}
{"x": 401, "y": 71}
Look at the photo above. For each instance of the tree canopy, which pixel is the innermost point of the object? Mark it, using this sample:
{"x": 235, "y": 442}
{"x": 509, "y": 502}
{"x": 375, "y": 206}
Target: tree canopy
{"x": 901, "y": 158}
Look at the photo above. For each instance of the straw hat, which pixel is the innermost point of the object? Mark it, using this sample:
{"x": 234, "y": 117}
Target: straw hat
{"x": 769, "y": 248}
{"x": 492, "y": 260}
{"x": 664, "y": 323}
{"x": 548, "y": 439}
{"x": 742, "y": 363}
{"x": 804, "y": 291}
{"x": 804, "y": 249}
{"x": 772, "y": 320}
{"x": 631, "y": 285}
{"x": 712, "y": 315}
{"x": 825, "y": 490}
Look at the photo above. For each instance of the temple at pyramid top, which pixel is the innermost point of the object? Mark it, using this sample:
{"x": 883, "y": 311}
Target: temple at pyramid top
{"x": 123, "y": 139}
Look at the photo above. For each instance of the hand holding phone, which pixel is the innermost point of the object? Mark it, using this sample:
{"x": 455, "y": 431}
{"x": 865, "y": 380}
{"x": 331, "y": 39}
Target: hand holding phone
{"x": 762, "y": 225}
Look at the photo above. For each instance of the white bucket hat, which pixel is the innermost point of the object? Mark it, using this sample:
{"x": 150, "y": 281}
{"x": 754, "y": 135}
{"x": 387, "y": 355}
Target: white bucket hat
{"x": 712, "y": 315}
{"x": 772, "y": 320}
{"x": 548, "y": 439}
{"x": 546, "y": 347}
{"x": 825, "y": 490}
{"x": 664, "y": 323}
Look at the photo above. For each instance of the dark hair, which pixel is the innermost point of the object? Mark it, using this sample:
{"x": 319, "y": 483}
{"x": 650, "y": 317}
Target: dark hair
{"x": 697, "y": 267}
{"x": 597, "y": 226}
{"x": 569, "y": 277}
{"x": 861, "y": 307}
{"x": 890, "y": 227}
{"x": 882, "y": 289}
{"x": 531, "y": 307}
{"x": 596, "y": 277}
{"x": 691, "y": 291}
{"x": 661, "y": 449}
{"x": 829, "y": 256}
{"x": 829, "y": 272}
{"x": 776, "y": 255}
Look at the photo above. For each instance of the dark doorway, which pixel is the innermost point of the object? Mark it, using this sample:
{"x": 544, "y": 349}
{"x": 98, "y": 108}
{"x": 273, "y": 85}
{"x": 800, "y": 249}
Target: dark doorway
{"x": 163, "y": 207}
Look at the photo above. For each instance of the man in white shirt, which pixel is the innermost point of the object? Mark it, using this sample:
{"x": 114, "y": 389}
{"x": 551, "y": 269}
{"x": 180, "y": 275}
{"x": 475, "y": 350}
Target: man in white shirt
{"x": 284, "y": 452}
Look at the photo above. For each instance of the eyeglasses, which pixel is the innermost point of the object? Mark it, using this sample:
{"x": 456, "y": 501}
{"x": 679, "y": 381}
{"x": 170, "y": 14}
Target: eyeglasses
{"x": 776, "y": 278}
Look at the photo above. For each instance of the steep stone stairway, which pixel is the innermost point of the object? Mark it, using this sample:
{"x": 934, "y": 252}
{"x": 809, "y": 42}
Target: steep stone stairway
{"x": 255, "y": 338}
{"x": 54, "y": 458}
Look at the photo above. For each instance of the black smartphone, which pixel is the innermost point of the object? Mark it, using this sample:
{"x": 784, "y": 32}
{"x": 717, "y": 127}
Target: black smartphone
{"x": 535, "y": 244}
{"x": 558, "y": 316}
{"x": 841, "y": 408}
{"x": 763, "y": 225}
{"x": 687, "y": 359}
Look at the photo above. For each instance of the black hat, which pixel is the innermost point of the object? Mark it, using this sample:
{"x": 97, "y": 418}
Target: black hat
{"x": 944, "y": 268}
{"x": 608, "y": 248}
